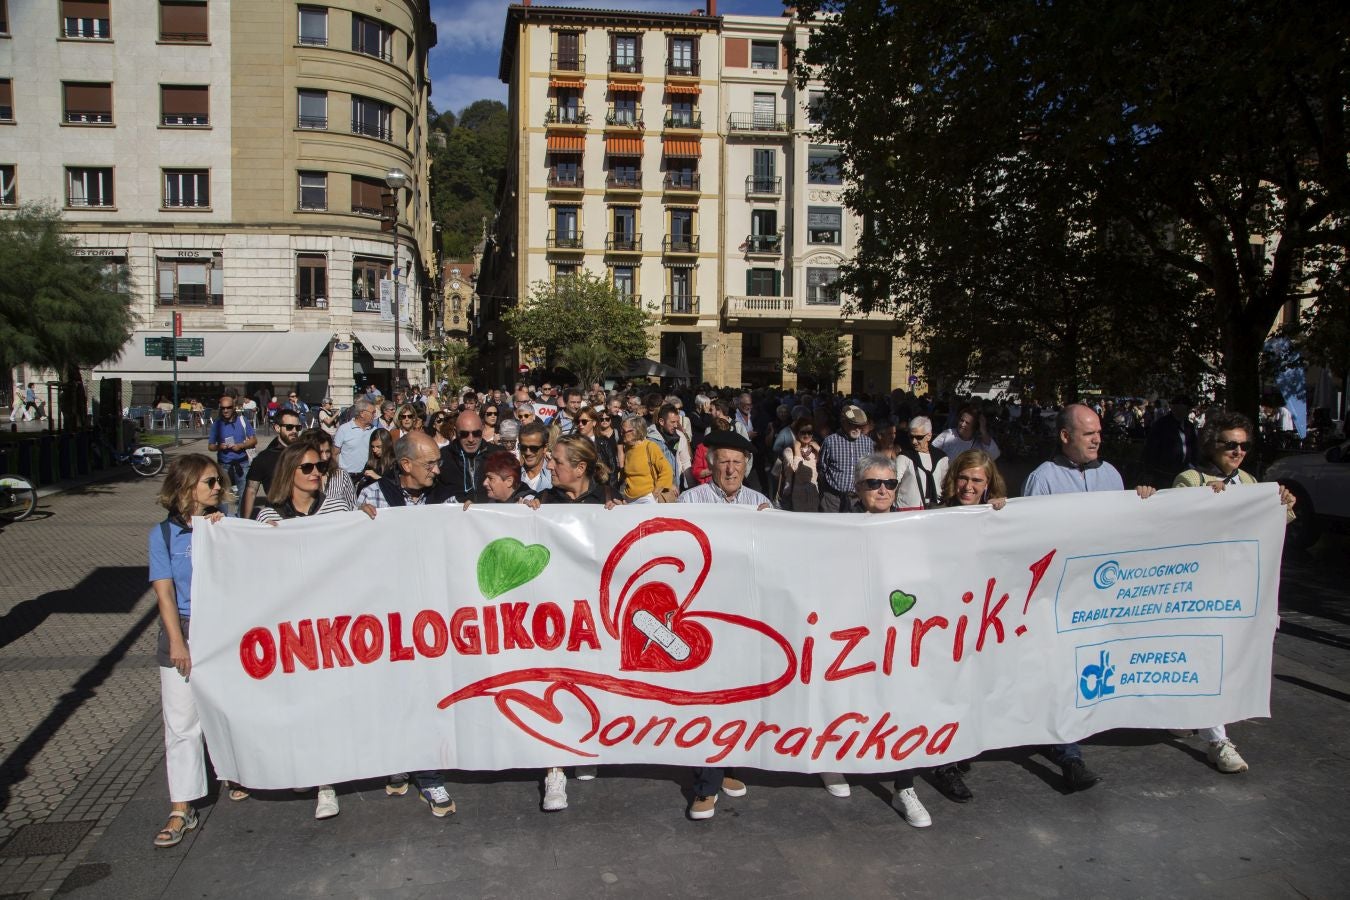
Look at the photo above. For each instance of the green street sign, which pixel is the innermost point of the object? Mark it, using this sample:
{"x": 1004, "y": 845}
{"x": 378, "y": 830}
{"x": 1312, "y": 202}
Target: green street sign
{"x": 164, "y": 347}
{"x": 153, "y": 346}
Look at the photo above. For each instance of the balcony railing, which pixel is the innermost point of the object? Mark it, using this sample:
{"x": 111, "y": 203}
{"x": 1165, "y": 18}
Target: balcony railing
{"x": 314, "y": 40}
{"x": 684, "y": 120}
{"x": 764, "y": 243}
{"x": 682, "y": 181}
{"x": 679, "y": 305}
{"x": 308, "y": 301}
{"x": 624, "y": 181}
{"x": 765, "y": 186}
{"x": 567, "y": 62}
{"x": 628, "y": 65}
{"x": 379, "y": 50}
{"x": 178, "y": 119}
{"x": 558, "y": 179}
{"x": 567, "y": 240}
{"x": 183, "y": 37}
{"x": 373, "y": 211}
{"x": 566, "y": 115}
{"x": 689, "y": 67}
{"x": 6, "y": 113}
{"x": 316, "y": 122}
{"x": 87, "y": 116}
{"x": 623, "y": 242}
{"x": 190, "y": 296}
{"x": 759, "y": 122}
{"x": 372, "y": 129}
{"x": 680, "y": 243}
{"x": 629, "y": 118}
{"x": 778, "y": 308}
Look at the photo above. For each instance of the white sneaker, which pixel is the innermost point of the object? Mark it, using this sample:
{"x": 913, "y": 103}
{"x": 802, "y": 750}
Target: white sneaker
{"x": 327, "y": 807}
{"x": 586, "y": 773}
{"x": 555, "y": 790}
{"x": 908, "y": 803}
{"x": 836, "y": 784}
{"x": 1226, "y": 758}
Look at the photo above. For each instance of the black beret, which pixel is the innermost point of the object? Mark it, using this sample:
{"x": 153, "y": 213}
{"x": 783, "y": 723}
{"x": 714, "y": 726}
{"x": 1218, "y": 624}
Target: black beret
{"x": 731, "y": 440}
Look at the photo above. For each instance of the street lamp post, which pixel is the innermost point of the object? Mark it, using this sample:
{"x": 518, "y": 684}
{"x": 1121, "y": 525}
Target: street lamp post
{"x": 396, "y": 179}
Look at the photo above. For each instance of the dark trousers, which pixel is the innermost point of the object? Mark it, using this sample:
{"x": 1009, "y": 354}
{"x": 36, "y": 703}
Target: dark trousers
{"x": 708, "y": 781}
{"x": 1059, "y": 754}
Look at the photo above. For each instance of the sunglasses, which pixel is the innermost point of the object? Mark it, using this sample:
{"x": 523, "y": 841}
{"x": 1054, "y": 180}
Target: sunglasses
{"x": 919, "y": 437}
{"x": 405, "y": 416}
{"x": 489, "y": 412}
{"x": 286, "y": 426}
{"x": 1230, "y": 446}
{"x": 873, "y": 484}
{"x": 211, "y": 481}
{"x": 227, "y": 409}
{"x": 476, "y": 433}
{"x": 309, "y": 468}
{"x": 531, "y": 448}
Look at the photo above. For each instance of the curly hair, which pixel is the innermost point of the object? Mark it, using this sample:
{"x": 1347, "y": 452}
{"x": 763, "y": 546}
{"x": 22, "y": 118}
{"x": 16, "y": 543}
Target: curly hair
{"x": 1216, "y": 423}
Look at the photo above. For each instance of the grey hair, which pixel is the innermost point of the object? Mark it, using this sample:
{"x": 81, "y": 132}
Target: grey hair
{"x": 921, "y": 422}
{"x": 404, "y": 447}
{"x": 361, "y": 405}
{"x": 701, "y": 402}
{"x": 874, "y": 461}
{"x": 509, "y": 429}
{"x": 639, "y": 424}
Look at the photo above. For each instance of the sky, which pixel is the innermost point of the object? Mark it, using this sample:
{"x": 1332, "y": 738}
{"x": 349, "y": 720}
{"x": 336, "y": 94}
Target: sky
{"x": 469, "y": 33}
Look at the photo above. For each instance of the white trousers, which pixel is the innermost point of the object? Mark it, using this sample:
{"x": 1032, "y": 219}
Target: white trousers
{"x": 1215, "y": 734}
{"x": 184, "y": 749}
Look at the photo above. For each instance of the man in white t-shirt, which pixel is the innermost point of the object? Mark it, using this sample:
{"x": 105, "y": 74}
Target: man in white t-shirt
{"x": 970, "y": 432}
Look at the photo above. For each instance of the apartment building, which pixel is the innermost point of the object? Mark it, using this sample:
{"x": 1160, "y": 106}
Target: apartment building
{"x": 234, "y": 155}
{"x": 675, "y": 154}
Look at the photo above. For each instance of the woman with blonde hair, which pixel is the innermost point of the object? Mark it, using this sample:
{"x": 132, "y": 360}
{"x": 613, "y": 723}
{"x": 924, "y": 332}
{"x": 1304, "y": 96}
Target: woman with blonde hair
{"x": 647, "y": 476}
{"x": 972, "y": 479}
{"x": 192, "y": 488}
{"x": 405, "y": 420}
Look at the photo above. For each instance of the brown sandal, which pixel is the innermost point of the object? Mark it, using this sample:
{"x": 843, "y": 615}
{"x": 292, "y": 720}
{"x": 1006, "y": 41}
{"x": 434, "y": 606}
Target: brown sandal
{"x": 171, "y": 835}
{"x": 235, "y": 792}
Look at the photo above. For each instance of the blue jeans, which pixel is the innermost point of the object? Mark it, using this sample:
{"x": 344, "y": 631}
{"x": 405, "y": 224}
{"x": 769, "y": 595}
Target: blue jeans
{"x": 428, "y": 778}
{"x": 237, "y": 475}
{"x": 1060, "y": 754}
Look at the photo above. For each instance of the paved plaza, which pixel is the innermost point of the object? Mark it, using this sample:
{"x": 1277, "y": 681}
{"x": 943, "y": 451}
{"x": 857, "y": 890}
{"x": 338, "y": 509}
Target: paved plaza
{"x": 82, "y": 784}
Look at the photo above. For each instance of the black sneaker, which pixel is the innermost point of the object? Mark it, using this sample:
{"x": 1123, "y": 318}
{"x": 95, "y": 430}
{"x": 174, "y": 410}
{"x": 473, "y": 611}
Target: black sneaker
{"x": 948, "y": 781}
{"x": 1079, "y": 776}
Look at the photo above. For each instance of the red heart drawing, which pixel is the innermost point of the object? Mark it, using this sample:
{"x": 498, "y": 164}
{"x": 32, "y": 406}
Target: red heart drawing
{"x": 546, "y": 707}
{"x": 656, "y": 635}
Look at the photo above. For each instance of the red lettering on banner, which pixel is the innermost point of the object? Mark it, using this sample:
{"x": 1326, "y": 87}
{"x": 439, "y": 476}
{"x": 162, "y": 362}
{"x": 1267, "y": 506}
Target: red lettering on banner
{"x": 899, "y": 751}
{"x": 850, "y": 637}
{"x": 440, "y": 635}
{"x": 808, "y": 648}
{"x": 941, "y": 740}
{"x": 367, "y": 639}
{"x": 398, "y": 651}
{"x": 830, "y": 735}
{"x": 682, "y": 739}
{"x": 258, "y": 652}
{"x": 876, "y": 738}
{"x": 464, "y": 631}
{"x": 548, "y": 626}
{"x": 490, "y": 634}
{"x": 583, "y": 628}
{"x": 667, "y": 723}
{"x": 959, "y": 640}
{"x": 629, "y": 725}
{"x": 1037, "y": 569}
{"x": 513, "y": 627}
{"x": 727, "y": 737}
{"x": 331, "y": 647}
{"x": 298, "y": 643}
{"x": 921, "y": 628}
{"x": 793, "y": 741}
{"x": 990, "y": 618}
{"x": 888, "y": 655}
{"x": 761, "y": 729}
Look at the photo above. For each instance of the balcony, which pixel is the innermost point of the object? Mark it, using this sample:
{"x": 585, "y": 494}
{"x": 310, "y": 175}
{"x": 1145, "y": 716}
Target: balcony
{"x": 623, "y": 242}
{"x": 682, "y": 68}
{"x": 566, "y": 181}
{"x": 762, "y": 186}
{"x": 625, "y": 65}
{"x": 624, "y": 118}
{"x": 567, "y": 62}
{"x": 566, "y": 240}
{"x": 777, "y": 310}
{"x": 682, "y": 181}
{"x": 567, "y": 116}
{"x": 680, "y": 243}
{"x": 634, "y": 300}
{"x": 309, "y": 301}
{"x": 763, "y": 245}
{"x": 183, "y": 37}
{"x": 679, "y": 305}
{"x": 373, "y": 129}
{"x": 758, "y": 123}
{"x": 623, "y": 181}
{"x": 190, "y": 295}
{"x": 175, "y": 119}
{"x": 317, "y": 123}
{"x": 89, "y": 116}
{"x": 678, "y": 121}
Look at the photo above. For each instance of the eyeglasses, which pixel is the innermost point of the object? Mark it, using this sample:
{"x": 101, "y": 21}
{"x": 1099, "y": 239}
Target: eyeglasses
{"x": 585, "y": 421}
{"x": 211, "y": 481}
{"x": 919, "y": 437}
{"x": 1230, "y": 446}
{"x": 227, "y": 409}
{"x": 531, "y": 448}
{"x": 475, "y": 433}
{"x": 431, "y": 465}
{"x": 606, "y": 418}
{"x": 405, "y": 416}
{"x": 873, "y": 484}
{"x": 309, "y": 468}
{"x": 289, "y": 426}
{"x": 489, "y": 412}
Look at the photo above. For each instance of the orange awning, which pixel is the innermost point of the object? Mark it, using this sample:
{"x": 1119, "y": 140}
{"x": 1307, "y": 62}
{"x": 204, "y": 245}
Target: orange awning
{"x": 681, "y": 147}
{"x": 684, "y": 89}
{"x": 623, "y": 146}
{"x": 570, "y": 83}
{"x": 567, "y": 143}
{"x": 619, "y": 87}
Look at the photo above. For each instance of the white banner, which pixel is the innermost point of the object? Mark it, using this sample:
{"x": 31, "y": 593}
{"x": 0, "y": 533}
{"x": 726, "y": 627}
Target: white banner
{"x": 503, "y": 637}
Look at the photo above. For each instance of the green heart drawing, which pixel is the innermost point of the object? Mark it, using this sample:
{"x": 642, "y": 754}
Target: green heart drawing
{"x": 506, "y": 563}
{"x": 901, "y": 602}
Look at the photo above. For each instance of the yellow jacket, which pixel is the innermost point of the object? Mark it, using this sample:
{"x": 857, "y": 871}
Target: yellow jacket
{"x": 645, "y": 469}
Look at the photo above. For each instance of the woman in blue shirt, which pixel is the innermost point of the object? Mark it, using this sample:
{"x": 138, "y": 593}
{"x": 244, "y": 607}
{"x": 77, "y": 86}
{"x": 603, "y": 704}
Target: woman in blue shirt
{"x": 192, "y": 487}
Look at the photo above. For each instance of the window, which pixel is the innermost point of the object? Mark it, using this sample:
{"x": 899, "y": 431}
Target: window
{"x": 6, "y": 100}
{"x": 372, "y": 118}
{"x": 569, "y": 55}
{"x": 368, "y": 196}
{"x": 184, "y": 105}
{"x": 191, "y": 282}
{"x": 565, "y": 221}
{"x": 682, "y": 114}
{"x": 85, "y": 19}
{"x": 763, "y": 55}
{"x": 366, "y": 277}
{"x": 764, "y": 283}
{"x": 766, "y": 109}
{"x": 623, "y": 53}
{"x": 9, "y": 191}
{"x": 372, "y": 38}
{"x": 187, "y": 188}
{"x": 764, "y": 237}
{"x": 312, "y": 107}
{"x": 682, "y": 56}
{"x": 89, "y": 187}
{"x": 182, "y": 21}
{"x": 820, "y": 288}
{"x": 815, "y": 107}
{"x": 824, "y": 225}
{"x": 313, "y": 190}
{"x": 625, "y": 281}
{"x": 624, "y": 171}
{"x": 311, "y": 281}
{"x": 4, "y": 16}
{"x": 822, "y": 166}
{"x": 563, "y": 271}
{"x": 681, "y": 173}
{"x": 625, "y": 110}
{"x": 313, "y": 28}
{"x": 87, "y": 103}
{"x": 565, "y": 170}
{"x": 681, "y": 291}
{"x": 765, "y": 180}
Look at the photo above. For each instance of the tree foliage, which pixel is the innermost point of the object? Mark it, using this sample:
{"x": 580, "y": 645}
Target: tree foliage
{"x": 468, "y": 160}
{"x": 58, "y": 310}
{"x": 819, "y": 357}
{"x": 579, "y": 311}
{"x": 1096, "y": 182}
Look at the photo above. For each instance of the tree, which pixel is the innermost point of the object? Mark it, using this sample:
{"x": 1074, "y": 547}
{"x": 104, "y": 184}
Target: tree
{"x": 1232, "y": 177}
{"x": 819, "y": 357}
{"x": 579, "y": 311}
{"x": 58, "y": 310}
{"x": 589, "y": 360}
{"x": 456, "y": 357}
{"x": 468, "y": 160}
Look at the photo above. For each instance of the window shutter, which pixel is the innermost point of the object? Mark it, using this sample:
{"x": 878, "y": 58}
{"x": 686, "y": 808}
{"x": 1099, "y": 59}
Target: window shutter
{"x": 184, "y": 101}
{"x": 777, "y": 283}
{"x": 88, "y": 97}
{"x": 182, "y": 18}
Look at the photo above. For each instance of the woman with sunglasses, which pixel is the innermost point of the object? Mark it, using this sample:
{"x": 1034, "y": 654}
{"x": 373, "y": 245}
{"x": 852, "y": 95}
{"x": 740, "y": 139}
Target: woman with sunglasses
{"x": 1224, "y": 441}
{"x": 192, "y": 487}
{"x": 491, "y": 417}
{"x": 800, "y": 488}
{"x": 607, "y": 445}
{"x": 405, "y": 420}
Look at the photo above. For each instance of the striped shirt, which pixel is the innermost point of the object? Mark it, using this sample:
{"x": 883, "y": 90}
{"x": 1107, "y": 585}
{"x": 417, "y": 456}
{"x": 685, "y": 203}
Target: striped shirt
{"x": 373, "y": 496}
{"x": 711, "y": 493}
{"x": 331, "y": 503}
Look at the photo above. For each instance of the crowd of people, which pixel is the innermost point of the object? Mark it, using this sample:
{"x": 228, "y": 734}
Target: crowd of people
{"x": 800, "y": 452}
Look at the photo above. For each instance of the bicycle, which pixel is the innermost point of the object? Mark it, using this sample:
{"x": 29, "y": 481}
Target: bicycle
{"x": 144, "y": 459}
{"x": 18, "y": 498}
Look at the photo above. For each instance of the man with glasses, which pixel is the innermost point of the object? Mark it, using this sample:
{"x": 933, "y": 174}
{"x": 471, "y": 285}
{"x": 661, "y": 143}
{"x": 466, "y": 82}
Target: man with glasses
{"x": 287, "y": 426}
{"x": 352, "y": 439}
{"x": 294, "y": 402}
{"x": 230, "y": 439}
{"x": 930, "y": 464}
{"x": 533, "y": 454}
{"x": 462, "y": 459}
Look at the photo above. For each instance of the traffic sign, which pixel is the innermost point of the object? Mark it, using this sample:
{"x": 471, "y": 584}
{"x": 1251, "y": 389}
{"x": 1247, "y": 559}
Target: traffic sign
{"x": 164, "y": 347}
